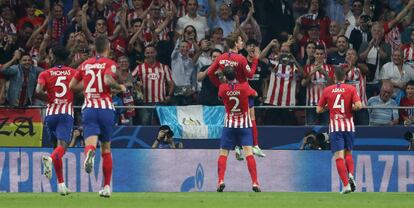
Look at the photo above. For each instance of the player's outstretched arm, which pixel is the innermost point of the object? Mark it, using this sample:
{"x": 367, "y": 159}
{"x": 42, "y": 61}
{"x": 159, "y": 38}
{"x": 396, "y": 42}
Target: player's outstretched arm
{"x": 110, "y": 81}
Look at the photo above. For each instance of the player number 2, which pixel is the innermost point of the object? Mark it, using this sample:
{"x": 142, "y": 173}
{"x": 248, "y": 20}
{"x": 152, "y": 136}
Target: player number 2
{"x": 236, "y": 104}
{"x": 98, "y": 75}
{"x": 339, "y": 103}
{"x": 59, "y": 83}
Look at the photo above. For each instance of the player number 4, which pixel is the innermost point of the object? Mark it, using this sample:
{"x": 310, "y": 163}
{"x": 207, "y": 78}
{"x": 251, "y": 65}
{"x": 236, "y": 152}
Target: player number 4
{"x": 339, "y": 103}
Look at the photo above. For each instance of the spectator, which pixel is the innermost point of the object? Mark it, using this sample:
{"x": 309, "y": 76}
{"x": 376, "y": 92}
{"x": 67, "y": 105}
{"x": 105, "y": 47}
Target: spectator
{"x": 223, "y": 20}
{"x": 361, "y": 33}
{"x": 382, "y": 117}
{"x": 408, "y": 50}
{"x": 313, "y": 35}
{"x": 217, "y": 38}
{"x": 153, "y": 76}
{"x": 7, "y": 20}
{"x": 261, "y": 75}
{"x": 23, "y": 78}
{"x": 316, "y": 77}
{"x": 30, "y": 17}
{"x": 315, "y": 16}
{"x": 281, "y": 90}
{"x": 397, "y": 73}
{"x": 192, "y": 18}
{"x": 335, "y": 31}
{"x": 138, "y": 11}
{"x": 352, "y": 14}
{"x": 126, "y": 79}
{"x": 394, "y": 25}
{"x": 183, "y": 74}
{"x": 202, "y": 58}
{"x": 374, "y": 54}
{"x": 59, "y": 23}
{"x": 407, "y": 115}
{"x": 338, "y": 57}
{"x": 208, "y": 93}
{"x": 356, "y": 76}
{"x": 251, "y": 27}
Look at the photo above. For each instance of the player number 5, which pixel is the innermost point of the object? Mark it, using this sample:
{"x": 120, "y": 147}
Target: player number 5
{"x": 59, "y": 83}
{"x": 339, "y": 103}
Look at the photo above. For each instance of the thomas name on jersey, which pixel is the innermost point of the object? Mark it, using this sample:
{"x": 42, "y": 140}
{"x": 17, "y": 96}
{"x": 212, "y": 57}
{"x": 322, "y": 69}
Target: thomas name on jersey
{"x": 60, "y": 73}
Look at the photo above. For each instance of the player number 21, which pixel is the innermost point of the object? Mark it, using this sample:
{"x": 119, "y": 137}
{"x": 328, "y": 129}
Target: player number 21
{"x": 339, "y": 103}
{"x": 98, "y": 75}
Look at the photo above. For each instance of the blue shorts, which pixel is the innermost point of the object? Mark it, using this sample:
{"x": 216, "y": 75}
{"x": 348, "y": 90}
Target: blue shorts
{"x": 251, "y": 102}
{"x": 236, "y": 136}
{"x": 341, "y": 140}
{"x": 59, "y": 127}
{"x": 98, "y": 122}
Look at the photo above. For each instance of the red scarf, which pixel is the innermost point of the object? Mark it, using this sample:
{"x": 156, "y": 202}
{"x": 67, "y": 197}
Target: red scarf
{"x": 58, "y": 28}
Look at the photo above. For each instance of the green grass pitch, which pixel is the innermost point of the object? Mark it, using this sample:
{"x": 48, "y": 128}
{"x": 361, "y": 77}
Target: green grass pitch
{"x": 209, "y": 199}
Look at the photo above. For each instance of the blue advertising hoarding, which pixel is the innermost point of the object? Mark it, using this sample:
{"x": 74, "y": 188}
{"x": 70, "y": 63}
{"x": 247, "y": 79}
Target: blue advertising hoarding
{"x": 139, "y": 170}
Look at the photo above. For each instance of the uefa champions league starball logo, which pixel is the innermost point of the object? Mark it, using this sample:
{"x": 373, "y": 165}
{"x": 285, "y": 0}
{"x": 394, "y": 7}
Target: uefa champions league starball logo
{"x": 194, "y": 183}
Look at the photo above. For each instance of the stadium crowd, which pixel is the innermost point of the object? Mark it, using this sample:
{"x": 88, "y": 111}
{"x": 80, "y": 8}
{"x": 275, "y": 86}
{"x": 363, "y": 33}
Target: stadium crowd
{"x": 164, "y": 48}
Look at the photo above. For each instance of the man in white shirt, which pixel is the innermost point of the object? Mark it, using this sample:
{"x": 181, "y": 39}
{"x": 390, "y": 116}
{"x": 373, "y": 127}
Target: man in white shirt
{"x": 192, "y": 18}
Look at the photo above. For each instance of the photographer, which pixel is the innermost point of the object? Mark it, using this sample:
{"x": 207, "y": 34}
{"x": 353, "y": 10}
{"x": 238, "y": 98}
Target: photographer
{"x": 77, "y": 138}
{"x": 410, "y": 138}
{"x": 165, "y": 139}
{"x": 315, "y": 141}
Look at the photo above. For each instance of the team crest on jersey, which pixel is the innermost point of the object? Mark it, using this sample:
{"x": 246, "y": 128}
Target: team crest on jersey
{"x": 113, "y": 69}
{"x": 248, "y": 68}
{"x": 153, "y": 76}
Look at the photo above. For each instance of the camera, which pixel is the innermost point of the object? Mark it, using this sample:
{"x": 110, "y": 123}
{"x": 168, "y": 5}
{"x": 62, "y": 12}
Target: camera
{"x": 286, "y": 59}
{"x": 409, "y": 136}
{"x": 169, "y": 132}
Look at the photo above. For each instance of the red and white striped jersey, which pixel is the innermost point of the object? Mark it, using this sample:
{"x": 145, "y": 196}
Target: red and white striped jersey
{"x": 153, "y": 78}
{"x": 55, "y": 82}
{"x": 408, "y": 53}
{"x": 282, "y": 86}
{"x": 97, "y": 93}
{"x": 339, "y": 99}
{"x": 355, "y": 78}
{"x": 235, "y": 97}
{"x": 317, "y": 83}
{"x": 163, "y": 35}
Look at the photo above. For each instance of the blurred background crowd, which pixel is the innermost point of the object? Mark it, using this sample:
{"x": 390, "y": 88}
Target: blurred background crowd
{"x": 164, "y": 47}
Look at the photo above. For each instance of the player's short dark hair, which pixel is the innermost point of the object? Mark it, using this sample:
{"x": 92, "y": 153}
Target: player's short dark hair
{"x": 61, "y": 53}
{"x": 229, "y": 73}
{"x": 101, "y": 18}
{"x": 136, "y": 20}
{"x": 252, "y": 42}
{"x": 319, "y": 47}
{"x": 232, "y": 39}
{"x": 215, "y": 50}
{"x": 339, "y": 74}
{"x": 101, "y": 43}
{"x": 411, "y": 83}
